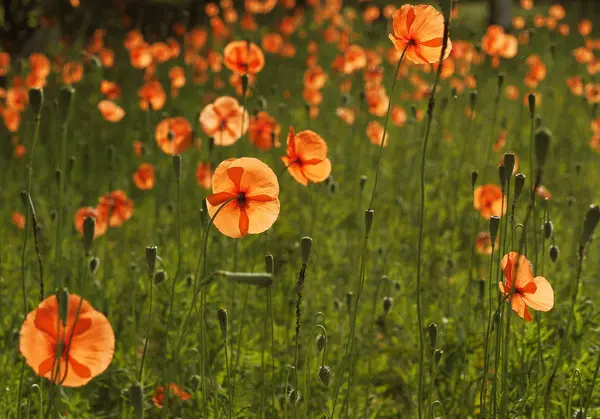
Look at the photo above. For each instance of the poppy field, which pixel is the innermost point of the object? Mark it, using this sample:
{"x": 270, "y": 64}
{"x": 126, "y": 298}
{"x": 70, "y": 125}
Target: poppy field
{"x": 300, "y": 209}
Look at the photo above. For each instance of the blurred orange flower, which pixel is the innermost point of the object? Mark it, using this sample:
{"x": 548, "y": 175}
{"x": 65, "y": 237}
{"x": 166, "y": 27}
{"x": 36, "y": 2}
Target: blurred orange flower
{"x": 144, "y": 177}
{"x": 110, "y": 111}
{"x": 243, "y": 57}
{"x": 118, "y": 205}
{"x": 174, "y": 135}
{"x": 306, "y": 159}
{"x": 82, "y": 213}
{"x": 175, "y": 390}
{"x": 488, "y": 201}
{"x": 375, "y": 133}
{"x": 264, "y": 131}
{"x": 204, "y": 175}
{"x": 18, "y": 219}
{"x": 225, "y": 120}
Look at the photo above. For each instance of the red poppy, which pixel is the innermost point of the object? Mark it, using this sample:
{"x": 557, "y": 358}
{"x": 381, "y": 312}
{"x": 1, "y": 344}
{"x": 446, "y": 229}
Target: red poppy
{"x": 88, "y": 342}
{"x": 175, "y": 390}
{"x": 110, "y": 111}
{"x": 263, "y": 131}
{"x": 204, "y": 175}
{"x": 225, "y": 120}
{"x": 117, "y": 205}
{"x": 243, "y": 57}
{"x": 174, "y": 135}
{"x": 144, "y": 177}
{"x": 488, "y": 201}
{"x": 247, "y": 190}
{"x": 82, "y": 213}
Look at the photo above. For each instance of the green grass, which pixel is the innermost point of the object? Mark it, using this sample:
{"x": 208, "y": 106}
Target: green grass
{"x": 455, "y": 279}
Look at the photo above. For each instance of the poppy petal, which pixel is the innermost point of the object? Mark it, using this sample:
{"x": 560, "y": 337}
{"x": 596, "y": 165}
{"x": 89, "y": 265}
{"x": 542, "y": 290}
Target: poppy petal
{"x": 219, "y": 198}
{"x": 256, "y": 178}
{"x": 228, "y": 219}
{"x": 543, "y": 298}
{"x": 244, "y": 222}
{"x": 317, "y": 172}
{"x": 262, "y": 215}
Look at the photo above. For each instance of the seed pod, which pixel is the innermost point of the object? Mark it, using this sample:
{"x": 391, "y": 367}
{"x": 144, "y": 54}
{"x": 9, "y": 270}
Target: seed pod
{"x": 500, "y": 82}
{"x": 494, "y": 225}
{"x": 387, "y": 304}
{"x": 261, "y": 279}
{"x": 473, "y": 99}
{"x": 554, "y": 252}
{"x": 519, "y": 183}
{"x": 349, "y": 297}
{"x": 62, "y": 295}
{"x": 65, "y": 100}
{"x": 362, "y": 182}
{"x": 325, "y": 375}
{"x": 159, "y": 277}
{"x": 151, "y": 253}
{"x": 509, "y": 164}
{"x": 531, "y": 100}
{"x": 502, "y": 175}
{"x": 306, "y": 248}
{"x": 548, "y": 229}
{"x": 137, "y": 399}
{"x": 222, "y": 316}
{"x": 589, "y": 224}
{"x": 474, "y": 176}
{"x": 542, "y": 144}
{"x": 269, "y": 264}
{"x": 89, "y": 230}
{"x": 432, "y": 330}
{"x": 368, "y": 220}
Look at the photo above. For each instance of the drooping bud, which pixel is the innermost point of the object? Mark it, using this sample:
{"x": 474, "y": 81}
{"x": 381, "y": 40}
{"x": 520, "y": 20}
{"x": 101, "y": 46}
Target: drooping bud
{"x": 159, "y": 277}
{"x": 474, "y": 176}
{"x": 554, "y": 252}
{"x": 494, "y": 225}
{"x": 269, "y": 264}
{"x": 542, "y": 144}
{"x": 306, "y": 248}
{"x": 36, "y": 100}
{"x": 438, "y": 356}
{"x": 222, "y": 316}
{"x": 177, "y": 166}
{"x": 589, "y": 224}
{"x": 94, "y": 264}
{"x": 387, "y": 304}
{"x": 368, "y": 221}
{"x": 321, "y": 342}
{"x": 325, "y": 374}
{"x": 151, "y": 253}
{"x": 89, "y": 230}
{"x": 548, "y": 229}
{"x": 519, "y": 183}
{"x": 432, "y": 331}
{"x": 62, "y": 296}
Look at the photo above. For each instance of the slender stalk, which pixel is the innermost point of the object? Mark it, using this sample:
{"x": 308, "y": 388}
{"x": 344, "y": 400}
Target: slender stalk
{"x": 591, "y": 388}
{"x": 430, "y": 108}
{"x": 482, "y": 399}
{"x": 147, "y": 332}
{"x": 225, "y": 340}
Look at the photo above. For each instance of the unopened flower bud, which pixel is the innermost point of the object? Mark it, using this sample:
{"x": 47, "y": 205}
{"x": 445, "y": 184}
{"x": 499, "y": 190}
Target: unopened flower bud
{"x": 321, "y": 342}
{"x": 387, "y": 304}
{"x": 222, "y": 316}
{"x": 554, "y": 252}
{"x": 502, "y": 175}
{"x": 36, "y": 100}
{"x": 306, "y": 248}
{"x": 589, "y": 224}
{"x": 349, "y": 297}
{"x": 89, "y": 230}
{"x": 269, "y": 264}
{"x": 65, "y": 100}
{"x": 509, "y": 164}
{"x": 494, "y": 225}
{"x": 159, "y": 277}
{"x": 368, "y": 220}
{"x": 438, "y": 356}
{"x": 151, "y": 253}
{"x": 542, "y": 144}
{"x": 432, "y": 331}
{"x": 325, "y": 374}
{"x": 62, "y": 296}
{"x": 519, "y": 183}
{"x": 474, "y": 176}
{"x": 548, "y": 229}
{"x": 94, "y": 264}
{"x": 137, "y": 400}
{"x": 531, "y": 100}
{"x": 362, "y": 182}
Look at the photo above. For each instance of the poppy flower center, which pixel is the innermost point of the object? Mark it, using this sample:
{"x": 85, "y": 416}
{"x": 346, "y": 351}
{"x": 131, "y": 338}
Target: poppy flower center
{"x": 170, "y": 135}
{"x": 241, "y": 199}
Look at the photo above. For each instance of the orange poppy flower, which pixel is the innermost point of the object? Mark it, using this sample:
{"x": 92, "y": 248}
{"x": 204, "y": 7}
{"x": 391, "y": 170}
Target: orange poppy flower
{"x": 518, "y": 22}
{"x": 543, "y": 192}
{"x": 140, "y": 56}
{"x": 585, "y": 27}
{"x": 223, "y": 120}
{"x": 488, "y": 201}
{"x": 160, "y": 52}
{"x": 110, "y": 89}
{"x": 39, "y": 65}
{"x": 243, "y": 57}
{"x": 175, "y": 390}
{"x": 306, "y": 159}
{"x": 564, "y": 29}
{"x": 259, "y": 6}
{"x": 204, "y": 175}
{"x": 247, "y": 190}
{"x": 12, "y": 119}
{"x": 375, "y": 133}
{"x": 354, "y": 59}
{"x": 264, "y": 131}
{"x": 152, "y": 93}
{"x": 17, "y": 98}
{"x": 575, "y": 85}
{"x": 529, "y": 292}
{"x": 583, "y": 55}
{"x": 18, "y": 219}
{"x": 82, "y": 213}
{"x": 501, "y": 142}
{"x": 312, "y": 97}
{"x": 110, "y": 111}
{"x": 483, "y": 243}
{"x": 133, "y": 38}
{"x": 527, "y": 4}
{"x": 107, "y": 57}
{"x": 117, "y": 205}
{"x": 314, "y": 78}
{"x": 4, "y": 63}
{"x": 595, "y": 142}
{"x": 398, "y": 116}
{"x": 20, "y": 151}
{"x": 512, "y": 92}
{"x": 346, "y": 114}
{"x": 177, "y": 76}
{"x": 174, "y": 135}
{"x": 88, "y": 341}
{"x": 421, "y": 28}
{"x": 377, "y": 100}
{"x": 592, "y": 92}
{"x": 138, "y": 148}
{"x": 72, "y": 73}
{"x": 144, "y": 177}
{"x": 271, "y": 42}
{"x": 557, "y": 11}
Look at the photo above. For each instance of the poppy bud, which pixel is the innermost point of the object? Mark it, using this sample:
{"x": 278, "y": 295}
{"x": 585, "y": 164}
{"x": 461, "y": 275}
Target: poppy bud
{"x": 24, "y": 198}
{"x": 349, "y": 297}
{"x": 438, "y": 355}
{"x": 589, "y": 225}
{"x": 387, "y": 304}
{"x": 57, "y": 176}
{"x": 494, "y": 225}
{"x": 159, "y": 277}
{"x": 151, "y": 252}
{"x": 548, "y": 229}
{"x": 473, "y": 99}
{"x": 137, "y": 399}
{"x": 519, "y": 183}
{"x": 94, "y": 264}
{"x": 65, "y": 100}
{"x": 195, "y": 381}
{"x": 325, "y": 374}
{"x": 89, "y": 229}
{"x": 554, "y": 252}
{"x": 62, "y": 296}
{"x": 542, "y": 143}
{"x": 269, "y": 264}
{"x": 509, "y": 164}
{"x": 222, "y": 316}
{"x": 474, "y": 176}
{"x": 177, "y": 166}
{"x": 261, "y": 279}
{"x": 261, "y": 103}
{"x": 306, "y": 248}
{"x": 189, "y": 279}
{"x": 362, "y": 182}
{"x": 36, "y": 100}
{"x": 204, "y": 212}
{"x": 368, "y": 220}
{"x": 531, "y": 100}
{"x": 320, "y": 342}
{"x": 579, "y": 414}
{"x": 432, "y": 330}
{"x": 502, "y": 175}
